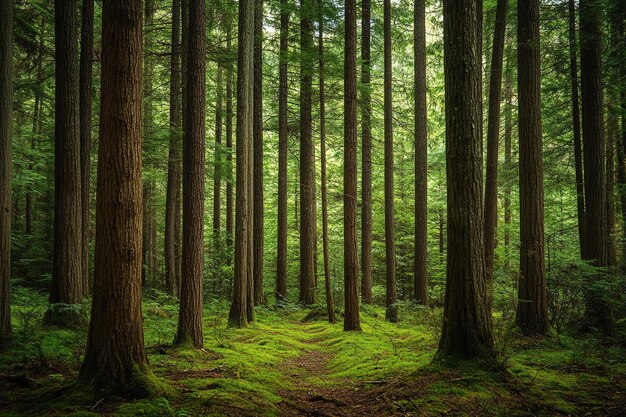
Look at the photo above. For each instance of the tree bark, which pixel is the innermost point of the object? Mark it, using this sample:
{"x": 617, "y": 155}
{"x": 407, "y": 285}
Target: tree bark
{"x": 330, "y": 305}
{"x": 238, "y": 315}
{"x": 115, "y": 359}
{"x": 67, "y": 271}
{"x": 578, "y": 158}
{"x": 420, "y": 284}
{"x": 258, "y": 153}
{"x": 366, "y": 155}
{"x": 612, "y": 126}
{"x": 390, "y": 234}
{"x": 172, "y": 214}
{"x": 466, "y": 326}
{"x": 86, "y": 102}
{"x": 307, "y": 178}
{"x": 598, "y": 313}
{"x": 283, "y": 139}
{"x": 350, "y": 246}
{"x": 493, "y": 144}
{"x": 532, "y": 310}
{"x": 6, "y": 158}
{"x": 190, "y": 312}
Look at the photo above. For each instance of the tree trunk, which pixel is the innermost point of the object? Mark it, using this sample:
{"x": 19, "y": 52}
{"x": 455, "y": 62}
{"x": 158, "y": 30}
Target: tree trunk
{"x": 86, "y": 94}
{"x": 578, "y": 158}
{"x": 366, "y": 155}
{"x": 532, "y": 310}
{"x": 283, "y": 139}
{"x": 493, "y": 143}
{"x": 330, "y": 305}
{"x": 238, "y": 316}
{"x": 420, "y": 284}
{"x": 115, "y": 359}
{"x": 350, "y": 246}
{"x": 67, "y": 271}
{"x": 190, "y": 312}
{"x": 172, "y": 214}
{"x": 307, "y": 179}
{"x": 598, "y": 313}
{"x": 258, "y": 153}
{"x": 466, "y": 325}
{"x": 390, "y": 234}
{"x": 6, "y": 158}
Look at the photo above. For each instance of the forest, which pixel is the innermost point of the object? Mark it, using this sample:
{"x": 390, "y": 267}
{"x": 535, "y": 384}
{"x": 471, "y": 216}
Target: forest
{"x": 312, "y": 208}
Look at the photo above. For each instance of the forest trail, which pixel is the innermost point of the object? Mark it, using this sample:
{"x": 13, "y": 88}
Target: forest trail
{"x": 314, "y": 393}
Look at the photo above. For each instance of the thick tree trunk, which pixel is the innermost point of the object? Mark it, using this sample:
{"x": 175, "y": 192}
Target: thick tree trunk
{"x": 86, "y": 99}
{"x": 532, "y": 310}
{"x": 350, "y": 246}
{"x": 258, "y": 153}
{"x": 238, "y": 315}
{"x": 283, "y": 139}
{"x": 190, "y": 312}
{"x": 578, "y": 158}
{"x": 330, "y": 305}
{"x": 172, "y": 214}
{"x": 307, "y": 174}
{"x": 115, "y": 360}
{"x": 598, "y": 313}
{"x": 420, "y": 283}
{"x": 390, "y": 234}
{"x": 6, "y": 158}
{"x": 493, "y": 144}
{"x": 67, "y": 270}
{"x": 366, "y": 156}
{"x": 466, "y": 327}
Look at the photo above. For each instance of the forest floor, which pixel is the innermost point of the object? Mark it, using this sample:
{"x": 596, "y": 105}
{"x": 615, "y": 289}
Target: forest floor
{"x": 291, "y": 362}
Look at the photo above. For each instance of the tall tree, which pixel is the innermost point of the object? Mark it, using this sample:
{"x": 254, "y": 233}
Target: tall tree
{"x": 493, "y": 144}
{"x": 283, "y": 139}
{"x": 67, "y": 270}
{"x": 466, "y": 325}
{"x": 390, "y": 234}
{"x": 172, "y": 211}
{"x": 596, "y": 229}
{"x": 86, "y": 94}
{"x": 532, "y": 310}
{"x": 238, "y": 315}
{"x": 578, "y": 158}
{"x": 307, "y": 172}
{"x": 6, "y": 158}
{"x": 330, "y": 308}
{"x": 420, "y": 284}
{"x": 366, "y": 155}
{"x": 190, "y": 312}
{"x": 350, "y": 247}
{"x": 258, "y": 153}
{"x": 115, "y": 359}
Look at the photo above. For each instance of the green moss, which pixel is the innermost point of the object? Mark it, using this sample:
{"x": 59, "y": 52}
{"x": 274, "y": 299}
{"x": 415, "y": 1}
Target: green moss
{"x": 157, "y": 407}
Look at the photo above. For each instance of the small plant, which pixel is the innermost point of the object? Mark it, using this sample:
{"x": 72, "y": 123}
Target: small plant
{"x": 27, "y": 316}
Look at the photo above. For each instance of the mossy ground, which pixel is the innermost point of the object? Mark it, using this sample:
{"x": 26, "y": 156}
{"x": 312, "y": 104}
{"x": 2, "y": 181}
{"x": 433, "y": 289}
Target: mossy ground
{"x": 281, "y": 365}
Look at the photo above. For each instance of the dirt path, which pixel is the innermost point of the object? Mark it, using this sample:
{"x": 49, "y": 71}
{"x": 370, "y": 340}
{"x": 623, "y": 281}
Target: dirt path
{"x": 312, "y": 395}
